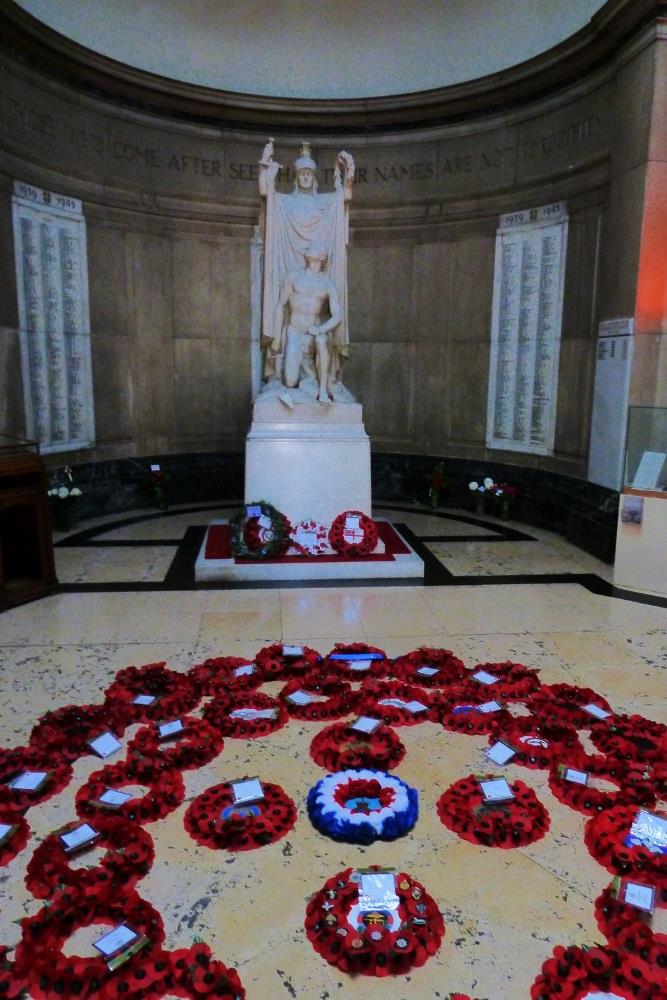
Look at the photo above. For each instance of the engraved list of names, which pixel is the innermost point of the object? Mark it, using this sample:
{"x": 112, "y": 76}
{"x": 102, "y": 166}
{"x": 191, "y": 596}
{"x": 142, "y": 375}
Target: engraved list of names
{"x": 52, "y": 286}
{"x": 526, "y": 324}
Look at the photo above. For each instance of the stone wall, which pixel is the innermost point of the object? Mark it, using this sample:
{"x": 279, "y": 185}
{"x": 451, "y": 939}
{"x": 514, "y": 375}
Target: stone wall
{"x": 171, "y": 206}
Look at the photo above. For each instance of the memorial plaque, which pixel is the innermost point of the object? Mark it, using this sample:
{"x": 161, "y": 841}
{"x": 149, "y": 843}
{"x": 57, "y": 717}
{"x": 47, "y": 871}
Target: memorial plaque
{"x": 525, "y": 332}
{"x": 54, "y": 318}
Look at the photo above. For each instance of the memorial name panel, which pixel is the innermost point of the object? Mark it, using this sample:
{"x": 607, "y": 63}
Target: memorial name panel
{"x": 525, "y": 330}
{"x": 52, "y": 288}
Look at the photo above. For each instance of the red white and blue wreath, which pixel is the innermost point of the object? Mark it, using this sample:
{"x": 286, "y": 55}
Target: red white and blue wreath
{"x": 362, "y": 806}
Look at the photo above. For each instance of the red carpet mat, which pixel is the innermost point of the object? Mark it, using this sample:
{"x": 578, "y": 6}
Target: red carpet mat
{"x": 218, "y": 546}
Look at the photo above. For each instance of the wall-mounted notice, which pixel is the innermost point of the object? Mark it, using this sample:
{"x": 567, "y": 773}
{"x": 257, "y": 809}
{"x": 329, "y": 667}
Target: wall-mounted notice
{"x": 531, "y": 246}
{"x": 52, "y": 288}
{"x": 610, "y": 402}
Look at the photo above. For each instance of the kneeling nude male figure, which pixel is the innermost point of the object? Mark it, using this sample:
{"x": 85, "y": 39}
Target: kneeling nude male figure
{"x": 309, "y": 311}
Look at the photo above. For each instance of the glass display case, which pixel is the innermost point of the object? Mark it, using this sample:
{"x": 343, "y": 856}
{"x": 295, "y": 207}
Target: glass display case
{"x": 646, "y": 450}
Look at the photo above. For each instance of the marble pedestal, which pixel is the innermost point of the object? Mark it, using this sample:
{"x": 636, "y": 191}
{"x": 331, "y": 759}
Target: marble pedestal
{"x": 311, "y": 461}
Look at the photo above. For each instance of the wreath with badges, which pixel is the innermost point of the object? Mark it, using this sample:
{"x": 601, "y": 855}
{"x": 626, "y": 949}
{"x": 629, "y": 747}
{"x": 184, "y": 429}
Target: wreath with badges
{"x": 360, "y": 807}
{"x": 512, "y": 822}
{"x": 339, "y": 747}
{"x": 310, "y": 538}
{"x": 214, "y": 819}
{"x": 378, "y": 942}
{"x": 129, "y": 856}
{"x": 265, "y": 535}
{"x": 353, "y": 534}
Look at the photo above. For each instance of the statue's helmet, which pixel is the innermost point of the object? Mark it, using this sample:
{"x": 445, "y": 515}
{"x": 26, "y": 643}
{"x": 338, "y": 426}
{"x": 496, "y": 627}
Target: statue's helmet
{"x": 305, "y": 160}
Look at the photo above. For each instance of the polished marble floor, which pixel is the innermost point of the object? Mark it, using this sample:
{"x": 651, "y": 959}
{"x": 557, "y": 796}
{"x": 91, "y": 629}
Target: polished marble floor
{"x": 504, "y": 910}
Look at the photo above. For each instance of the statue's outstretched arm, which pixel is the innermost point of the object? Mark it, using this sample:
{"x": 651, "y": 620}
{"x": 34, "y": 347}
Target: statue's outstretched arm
{"x": 268, "y": 169}
{"x": 344, "y": 173}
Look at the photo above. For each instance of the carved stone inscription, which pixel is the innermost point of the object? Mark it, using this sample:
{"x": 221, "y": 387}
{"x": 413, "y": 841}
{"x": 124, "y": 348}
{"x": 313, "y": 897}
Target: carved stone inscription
{"x": 52, "y": 289}
{"x": 525, "y": 334}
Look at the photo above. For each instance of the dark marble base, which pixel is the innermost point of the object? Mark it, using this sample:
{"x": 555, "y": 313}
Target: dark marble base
{"x": 584, "y": 512}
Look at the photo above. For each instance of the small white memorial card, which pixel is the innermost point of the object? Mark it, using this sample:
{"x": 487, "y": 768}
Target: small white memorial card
{"x": 253, "y": 510}
{"x": 117, "y": 940}
{"x": 113, "y": 798}
{"x": 28, "y": 781}
{"x": 249, "y": 714}
{"x": 496, "y": 790}
{"x": 352, "y": 532}
{"x": 641, "y": 896}
{"x": 359, "y": 666}
{"x": 484, "y": 677}
{"x": 489, "y": 706}
{"x": 144, "y": 699}
{"x": 155, "y": 468}
{"x": 292, "y": 650}
{"x": 245, "y": 670}
{"x": 306, "y": 538}
{"x": 105, "y": 745}
{"x": 577, "y": 777}
{"x": 6, "y": 831}
{"x": 428, "y": 671}
{"x": 409, "y": 706}
{"x": 300, "y": 698}
{"x": 500, "y": 753}
{"x": 167, "y": 730}
{"x": 248, "y": 790}
{"x": 602, "y": 996}
{"x": 378, "y": 891}
{"x": 649, "y": 831}
{"x": 365, "y": 724}
{"x": 264, "y": 521}
{"x": 596, "y": 711}
{"x": 81, "y": 836}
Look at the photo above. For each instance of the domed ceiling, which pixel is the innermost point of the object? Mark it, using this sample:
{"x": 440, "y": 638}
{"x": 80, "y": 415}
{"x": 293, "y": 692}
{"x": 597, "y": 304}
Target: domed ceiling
{"x": 327, "y": 50}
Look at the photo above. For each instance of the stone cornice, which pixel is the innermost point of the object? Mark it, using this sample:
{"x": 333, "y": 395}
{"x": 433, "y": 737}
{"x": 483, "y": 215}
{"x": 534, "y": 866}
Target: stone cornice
{"x": 578, "y": 55}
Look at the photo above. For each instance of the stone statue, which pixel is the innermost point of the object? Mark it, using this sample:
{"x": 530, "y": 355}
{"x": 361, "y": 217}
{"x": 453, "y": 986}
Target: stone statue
{"x": 301, "y": 330}
{"x": 290, "y": 224}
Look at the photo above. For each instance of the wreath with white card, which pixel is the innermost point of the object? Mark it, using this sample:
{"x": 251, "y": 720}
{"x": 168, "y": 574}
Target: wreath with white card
{"x": 353, "y": 534}
{"x": 240, "y": 815}
{"x": 493, "y": 812}
{"x": 260, "y": 531}
{"x": 310, "y": 538}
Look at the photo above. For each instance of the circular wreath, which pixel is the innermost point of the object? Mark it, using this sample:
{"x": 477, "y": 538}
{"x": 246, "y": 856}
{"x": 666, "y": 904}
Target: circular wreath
{"x": 563, "y": 703}
{"x": 16, "y": 840}
{"x": 630, "y": 736}
{"x": 195, "y": 973}
{"x": 213, "y": 819}
{"x": 339, "y": 747}
{"x": 165, "y": 784}
{"x": 627, "y": 929}
{"x": 11, "y": 984}
{"x": 374, "y": 692}
{"x": 540, "y": 744}
{"x": 196, "y": 745}
{"x": 379, "y": 666}
{"x": 573, "y": 973}
{"x": 219, "y": 713}
{"x": 249, "y": 540}
{"x": 338, "y": 698}
{"x": 174, "y": 693}
{"x": 273, "y": 665}
{"x": 129, "y": 856}
{"x": 360, "y": 807}
{"x": 457, "y": 709}
{"x": 514, "y": 679}
{"x": 19, "y": 759}
{"x": 218, "y": 674}
{"x": 67, "y": 731}
{"x": 356, "y": 548}
{"x": 373, "y": 944}
{"x": 512, "y": 823}
{"x": 604, "y": 837}
{"x": 633, "y": 788}
{"x": 319, "y": 546}
{"x": 448, "y": 668}
{"x": 40, "y": 958}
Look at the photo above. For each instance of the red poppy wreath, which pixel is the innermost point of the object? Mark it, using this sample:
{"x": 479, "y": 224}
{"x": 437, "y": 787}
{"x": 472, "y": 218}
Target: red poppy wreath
{"x": 629, "y": 736}
{"x": 564, "y": 703}
{"x": 222, "y": 674}
{"x": 214, "y": 819}
{"x": 539, "y": 744}
{"x": 340, "y": 748}
{"x": 150, "y": 692}
{"x": 276, "y": 665}
{"x": 377, "y": 941}
{"x": 247, "y": 715}
{"x": 314, "y": 700}
{"x": 470, "y": 712}
{"x": 195, "y": 973}
{"x": 165, "y": 790}
{"x": 353, "y": 534}
{"x": 429, "y": 667}
{"x": 31, "y": 775}
{"x": 195, "y": 745}
{"x": 626, "y": 928}
{"x": 129, "y": 856}
{"x": 575, "y": 973}
{"x": 509, "y": 822}
{"x": 11, "y": 984}
{"x": 570, "y": 783}
{"x": 605, "y": 837}
{"x": 14, "y": 835}
{"x": 67, "y": 731}
{"x": 396, "y": 703}
{"x": 364, "y": 661}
